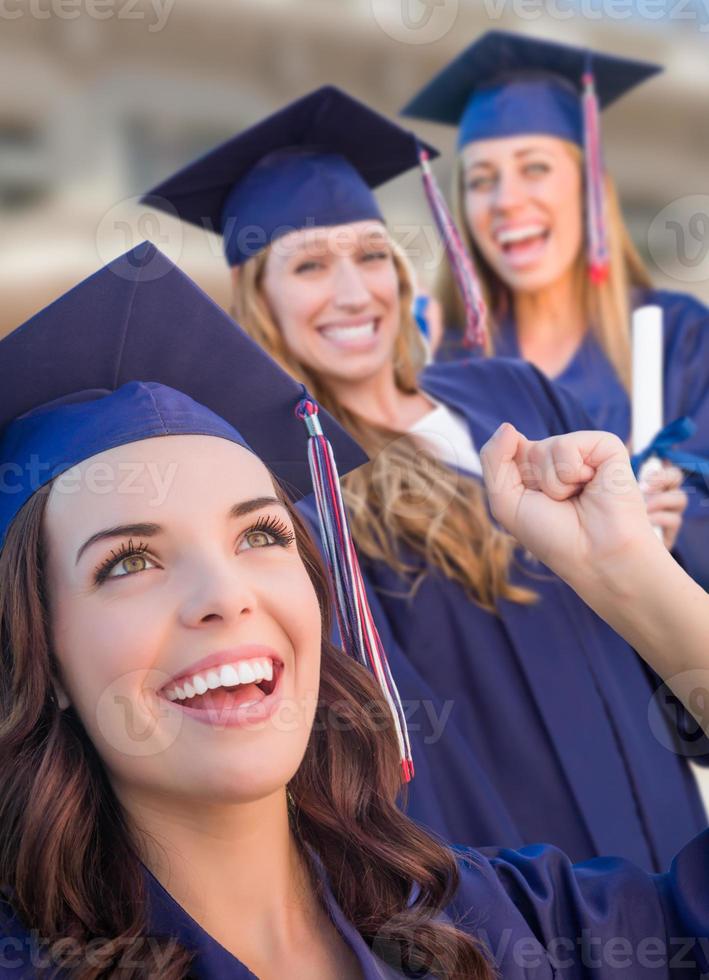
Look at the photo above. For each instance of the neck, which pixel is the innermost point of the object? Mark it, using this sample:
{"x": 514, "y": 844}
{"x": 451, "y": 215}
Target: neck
{"x": 378, "y": 400}
{"x": 235, "y": 868}
{"x": 552, "y": 314}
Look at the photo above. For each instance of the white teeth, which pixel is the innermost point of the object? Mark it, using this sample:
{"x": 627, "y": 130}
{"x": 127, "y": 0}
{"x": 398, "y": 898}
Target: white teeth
{"x": 230, "y": 675}
{"x": 213, "y": 680}
{"x": 509, "y": 236}
{"x": 351, "y": 332}
{"x": 199, "y": 684}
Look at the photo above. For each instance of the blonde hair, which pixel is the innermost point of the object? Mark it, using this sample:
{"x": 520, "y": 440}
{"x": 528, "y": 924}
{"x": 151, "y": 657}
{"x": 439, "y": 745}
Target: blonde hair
{"x": 606, "y": 306}
{"x": 404, "y": 499}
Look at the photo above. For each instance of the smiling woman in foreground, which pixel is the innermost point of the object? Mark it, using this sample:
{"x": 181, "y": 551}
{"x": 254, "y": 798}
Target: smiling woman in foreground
{"x": 193, "y": 781}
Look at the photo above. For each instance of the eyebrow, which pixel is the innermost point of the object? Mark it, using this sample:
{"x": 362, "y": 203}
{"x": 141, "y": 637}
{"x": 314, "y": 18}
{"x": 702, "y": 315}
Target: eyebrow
{"x": 148, "y": 530}
{"x": 517, "y": 153}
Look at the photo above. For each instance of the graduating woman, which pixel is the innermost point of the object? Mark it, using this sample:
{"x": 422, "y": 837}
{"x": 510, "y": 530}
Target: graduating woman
{"x": 530, "y": 714}
{"x": 194, "y": 783}
{"x": 558, "y": 269}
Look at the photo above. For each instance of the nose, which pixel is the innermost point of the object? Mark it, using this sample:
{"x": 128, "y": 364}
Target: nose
{"x": 351, "y": 291}
{"x": 215, "y": 590}
{"x": 509, "y": 192}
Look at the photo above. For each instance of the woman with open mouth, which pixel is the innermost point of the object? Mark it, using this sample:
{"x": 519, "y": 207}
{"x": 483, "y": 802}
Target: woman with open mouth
{"x": 194, "y": 782}
{"x": 557, "y": 265}
{"x": 528, "y": 713}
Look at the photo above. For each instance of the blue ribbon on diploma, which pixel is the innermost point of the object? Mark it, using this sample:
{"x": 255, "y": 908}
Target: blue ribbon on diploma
{"x": 663, "y": 444}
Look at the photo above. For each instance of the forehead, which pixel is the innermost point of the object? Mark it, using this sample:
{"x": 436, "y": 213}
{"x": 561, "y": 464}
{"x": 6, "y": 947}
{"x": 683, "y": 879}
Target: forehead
{"x": 154, "y": 480}
{"x": 338, "y": 239}
{"x": 510, "y": 148}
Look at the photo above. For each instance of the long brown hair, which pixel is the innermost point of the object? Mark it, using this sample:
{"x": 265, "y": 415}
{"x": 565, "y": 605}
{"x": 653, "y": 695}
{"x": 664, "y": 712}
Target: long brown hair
{"x": 606, "y": 306}
{"x": 405, "y": 500}
{"x": 69, "y": 864}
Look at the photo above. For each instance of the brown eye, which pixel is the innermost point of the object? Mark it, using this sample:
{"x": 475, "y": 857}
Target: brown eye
{"x": 258, "y": 539}
{"x": 129, "y": 566}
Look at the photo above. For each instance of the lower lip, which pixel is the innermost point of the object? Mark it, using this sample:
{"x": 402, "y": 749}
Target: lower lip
{"x": 241, "y": 716}
{"x": 525, "y": 253}
{"x": 362, "y": 343}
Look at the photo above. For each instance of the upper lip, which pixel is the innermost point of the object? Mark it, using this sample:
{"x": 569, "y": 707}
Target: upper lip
{"x": 221, "y": 657}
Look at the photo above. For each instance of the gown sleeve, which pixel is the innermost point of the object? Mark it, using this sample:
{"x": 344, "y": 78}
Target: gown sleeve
{"x": 687, "y": 393}
{"x": 542, "y": 917}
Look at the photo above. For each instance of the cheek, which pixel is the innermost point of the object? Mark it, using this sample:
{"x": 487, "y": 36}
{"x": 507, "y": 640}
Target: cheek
{"x": 477, "y": 214}
{"x": 294, "y": 307}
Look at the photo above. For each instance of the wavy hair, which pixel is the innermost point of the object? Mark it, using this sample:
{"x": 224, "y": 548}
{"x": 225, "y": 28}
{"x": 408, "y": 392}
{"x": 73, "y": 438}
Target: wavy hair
{"x": 69, "y": 861}
{"x": 406, "y": 508}
{"x": 606, "y": 306}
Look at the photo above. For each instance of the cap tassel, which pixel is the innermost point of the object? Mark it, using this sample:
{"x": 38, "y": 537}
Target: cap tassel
{"x": 461, "y": 263}
{"x": 598, "y": 258}
{"x": 360, "y": 638}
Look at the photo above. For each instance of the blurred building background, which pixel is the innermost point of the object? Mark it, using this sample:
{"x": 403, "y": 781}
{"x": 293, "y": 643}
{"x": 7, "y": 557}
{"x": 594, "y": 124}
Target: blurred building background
{"x": 100, "y": 99}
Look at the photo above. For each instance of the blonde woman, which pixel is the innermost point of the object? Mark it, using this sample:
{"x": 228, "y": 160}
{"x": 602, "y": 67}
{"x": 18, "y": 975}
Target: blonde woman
{"x": 559, "y": 271}
{"x": 527, "y": 713}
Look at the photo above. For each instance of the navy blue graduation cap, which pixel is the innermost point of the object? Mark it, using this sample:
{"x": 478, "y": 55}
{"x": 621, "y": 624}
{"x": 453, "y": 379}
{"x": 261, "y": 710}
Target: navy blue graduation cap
{"x": 506, "y": 84}
{"x": 312, "y": 164}
{"x": 136, "y": 351}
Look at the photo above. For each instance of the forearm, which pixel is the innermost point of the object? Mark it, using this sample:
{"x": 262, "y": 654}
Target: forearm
{"x": 649, "y": 599}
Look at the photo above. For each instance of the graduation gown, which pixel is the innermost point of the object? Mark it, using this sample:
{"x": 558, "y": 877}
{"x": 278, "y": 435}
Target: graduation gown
{"x": 530, "y": 725}
{"x": 591, "y": 379}
{"x": 539, "y": 916}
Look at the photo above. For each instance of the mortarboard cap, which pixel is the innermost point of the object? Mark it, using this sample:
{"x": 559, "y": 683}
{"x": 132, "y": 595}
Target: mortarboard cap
{"x": 311, "y": 164}
{"x": 136, "y": 351}
{"x": 140, "y": 319}
{"x": 506, "y": 84}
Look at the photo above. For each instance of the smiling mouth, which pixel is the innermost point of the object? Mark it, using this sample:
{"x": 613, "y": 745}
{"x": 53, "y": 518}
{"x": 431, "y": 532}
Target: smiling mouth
{"x": 350, "y": 335}
{"x": 519, "y": 242}
{"x": 239, "y": 685}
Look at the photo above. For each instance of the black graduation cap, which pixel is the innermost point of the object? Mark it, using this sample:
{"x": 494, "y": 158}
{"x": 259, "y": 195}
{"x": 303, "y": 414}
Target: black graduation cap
{"x": 311, "y": 164}
{"x": 507, "y": 84}
{"x": 140, "y": 319}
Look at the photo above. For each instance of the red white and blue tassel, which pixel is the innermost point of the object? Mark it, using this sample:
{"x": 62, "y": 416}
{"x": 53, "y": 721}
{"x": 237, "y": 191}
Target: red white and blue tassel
{"x": 598, "y": 256}
{"x": 460, "y": 260}
{"x": 358, "y": 632}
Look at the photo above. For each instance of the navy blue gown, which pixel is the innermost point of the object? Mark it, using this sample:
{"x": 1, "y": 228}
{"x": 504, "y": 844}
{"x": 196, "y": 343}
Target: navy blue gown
{"x": 530, "y": 725}
{"x": 591, "y": 379}
{"x": 540, "y": 917}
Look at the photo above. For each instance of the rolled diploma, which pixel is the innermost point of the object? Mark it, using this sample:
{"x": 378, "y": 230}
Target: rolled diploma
{"x": 648, "y": 416}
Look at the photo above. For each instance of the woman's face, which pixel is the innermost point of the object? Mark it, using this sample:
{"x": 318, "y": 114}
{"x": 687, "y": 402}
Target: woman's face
{"x": 524, "y": 209}
{"x": 172, "y": 567}
{"x": 334, "y": 294}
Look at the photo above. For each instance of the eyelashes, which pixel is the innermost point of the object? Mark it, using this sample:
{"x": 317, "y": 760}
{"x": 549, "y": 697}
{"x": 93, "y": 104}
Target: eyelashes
{"x": 126, "y": 550}
{"x": 275, "y": 531}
